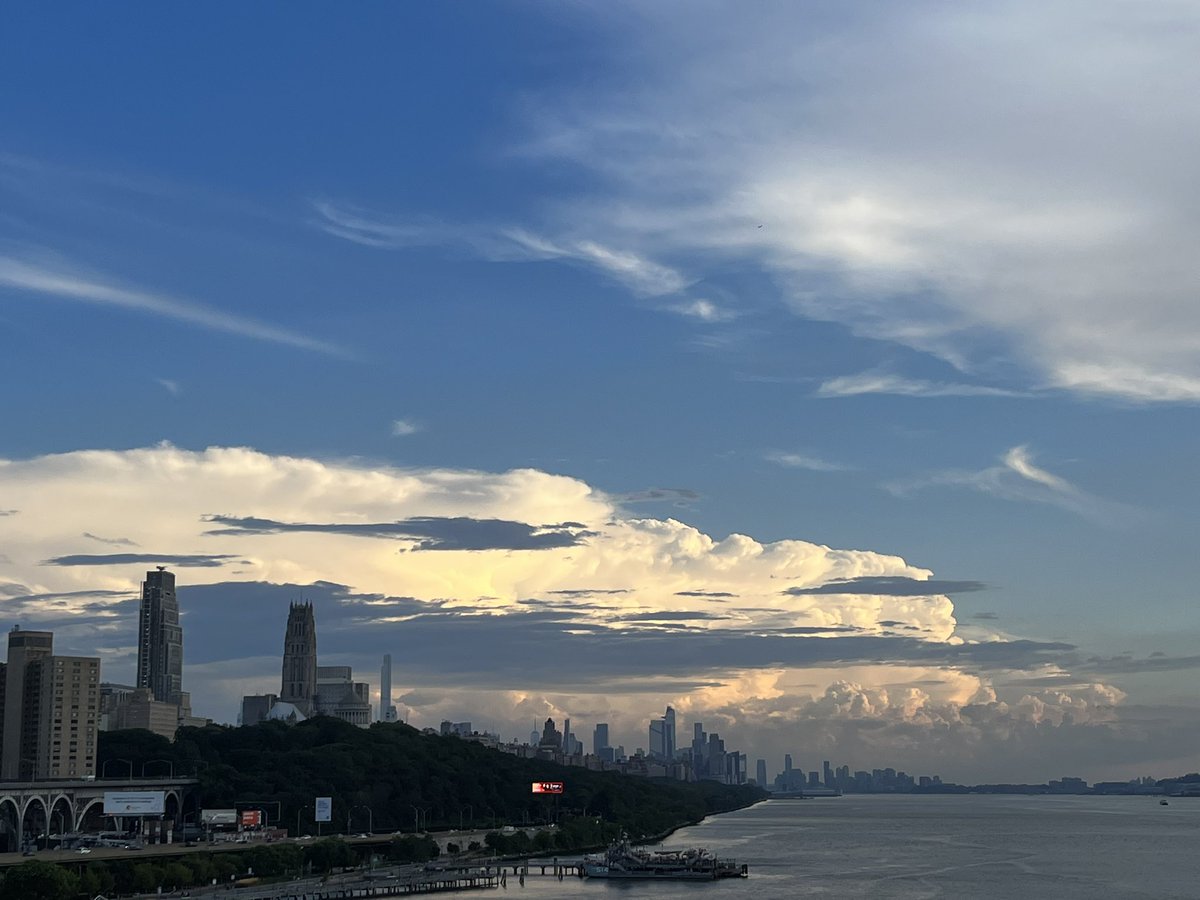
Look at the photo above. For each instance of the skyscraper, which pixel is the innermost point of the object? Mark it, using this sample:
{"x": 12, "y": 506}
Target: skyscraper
{"x": 760, "y": 774}
{"x": 160, "y": 639}
{"x": 669, "y": 733}
{"x": 387, "y": 712}
{"x": 600, "y": 738}
{"x": 656, "y": 742}
{"x": 299, "y": 686}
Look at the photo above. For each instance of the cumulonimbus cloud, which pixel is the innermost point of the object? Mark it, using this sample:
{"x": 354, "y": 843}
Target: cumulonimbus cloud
{"x": 546, "y": 586}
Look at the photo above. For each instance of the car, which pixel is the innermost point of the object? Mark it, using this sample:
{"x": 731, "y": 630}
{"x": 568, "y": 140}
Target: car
{"x": 84, "y": 850}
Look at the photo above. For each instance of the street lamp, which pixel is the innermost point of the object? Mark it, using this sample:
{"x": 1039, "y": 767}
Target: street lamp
{"x": 167, "y": 761}
{"x": 471, "y": 818}
{"x": 104, "y": 768}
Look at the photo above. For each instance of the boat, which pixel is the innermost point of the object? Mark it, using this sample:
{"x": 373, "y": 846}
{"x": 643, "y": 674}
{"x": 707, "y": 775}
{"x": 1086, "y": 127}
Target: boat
{"x": 1163, "y": 803}
{"x": 623, "y": 860}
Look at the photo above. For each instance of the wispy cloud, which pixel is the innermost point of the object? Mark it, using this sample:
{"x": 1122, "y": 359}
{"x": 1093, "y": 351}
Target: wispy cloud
{"x": 876, "y": 383}
{"x": 170, "y": 386}
{"x": 114, "y": 542}
{"x": 1017, "y": 477}
{"x": 742, "y": 140}
{"x": 704, "y": 310}
{"x": 642, "y": 276}
{"x": 404, "y": 427}
{"x": 804, "y": 461}
{"x": 54, "y": 279}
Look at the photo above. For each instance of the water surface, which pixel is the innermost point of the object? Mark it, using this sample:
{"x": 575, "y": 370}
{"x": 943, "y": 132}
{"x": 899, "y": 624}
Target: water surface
{"x": 967, "y": 848}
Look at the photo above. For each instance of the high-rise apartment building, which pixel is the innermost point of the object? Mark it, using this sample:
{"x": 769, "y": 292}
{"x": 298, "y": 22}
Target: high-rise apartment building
{"x": 300, "y": 659}
{"x": 50, "y": 710}
{"x": 160, "y": 640}
{"x": 669, "y": 733}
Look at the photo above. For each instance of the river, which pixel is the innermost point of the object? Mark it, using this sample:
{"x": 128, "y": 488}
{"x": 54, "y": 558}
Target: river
{"x": 909, "y": 847}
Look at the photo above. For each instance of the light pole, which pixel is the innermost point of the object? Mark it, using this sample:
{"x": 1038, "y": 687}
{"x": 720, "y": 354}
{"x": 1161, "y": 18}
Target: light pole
{"x": 470, "y": 818}
{"x": 149, "y": 761}
{"x": 416, "y": 818}
{"x": 370, "y": 818}
{"x": 104, "y": 768}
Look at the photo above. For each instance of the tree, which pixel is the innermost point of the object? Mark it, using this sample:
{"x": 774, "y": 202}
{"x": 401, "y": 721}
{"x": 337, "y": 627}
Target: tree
{"x": 37, "y": 880}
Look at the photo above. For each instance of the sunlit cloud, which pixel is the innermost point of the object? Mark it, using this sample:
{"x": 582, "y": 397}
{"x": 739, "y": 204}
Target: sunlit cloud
{"x": 549, "y": 593}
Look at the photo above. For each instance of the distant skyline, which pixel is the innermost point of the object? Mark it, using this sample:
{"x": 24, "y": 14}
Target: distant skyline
{"x": 828, "y": 372}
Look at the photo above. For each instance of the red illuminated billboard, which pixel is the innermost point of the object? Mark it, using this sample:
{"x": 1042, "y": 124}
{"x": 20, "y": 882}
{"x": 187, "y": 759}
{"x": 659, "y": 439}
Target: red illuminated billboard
{"x": 547, "y": 787}
{"x": 251, "y": 818}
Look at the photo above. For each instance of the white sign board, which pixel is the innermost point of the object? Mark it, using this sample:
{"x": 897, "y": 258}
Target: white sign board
{"x": 324, "y": 809}
{"x": 135, "y": 803}
{"x": 219, "y": 817}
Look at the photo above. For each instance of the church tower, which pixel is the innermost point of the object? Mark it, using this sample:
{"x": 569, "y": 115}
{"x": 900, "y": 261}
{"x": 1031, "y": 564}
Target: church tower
{"x": 300, "y": 658}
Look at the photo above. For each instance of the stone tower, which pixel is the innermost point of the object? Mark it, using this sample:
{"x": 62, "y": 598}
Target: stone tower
{"x": 300, "y": 658}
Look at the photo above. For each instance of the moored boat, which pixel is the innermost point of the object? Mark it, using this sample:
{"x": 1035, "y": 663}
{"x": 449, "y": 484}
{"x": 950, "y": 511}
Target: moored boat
{"x": 622, "y": 860}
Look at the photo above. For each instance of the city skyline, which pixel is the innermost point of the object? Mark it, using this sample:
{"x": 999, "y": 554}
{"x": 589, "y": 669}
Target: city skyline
{"x": 826, "y": 373}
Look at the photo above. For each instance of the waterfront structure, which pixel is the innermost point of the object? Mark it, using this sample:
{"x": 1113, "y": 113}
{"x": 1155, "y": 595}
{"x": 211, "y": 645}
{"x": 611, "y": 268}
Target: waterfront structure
{"x": 160, "y": 639}
{"x": 49, "y": 710}
{"x": 299, "y": 686}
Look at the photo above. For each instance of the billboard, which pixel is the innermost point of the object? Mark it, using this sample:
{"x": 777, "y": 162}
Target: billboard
{"x": 547, "y": 787}
{"x": 323, "y": 812}
{"x": 135, "y": 803}
{"x": 251, "y": 818}
{"x": 219, "y": 817}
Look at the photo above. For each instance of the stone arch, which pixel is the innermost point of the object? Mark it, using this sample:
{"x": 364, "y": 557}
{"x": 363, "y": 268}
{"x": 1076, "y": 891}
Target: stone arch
{"x": 10, "y": 823}
{"x": 89, "y": 809}
{"x": 171, "y": 807}
{"x": 61, "y": 817}
{"x": 33, "y": 819}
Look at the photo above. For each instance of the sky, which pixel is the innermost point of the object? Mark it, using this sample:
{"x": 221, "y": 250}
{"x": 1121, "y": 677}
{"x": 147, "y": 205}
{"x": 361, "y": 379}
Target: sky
{"x": 828, "y": 371}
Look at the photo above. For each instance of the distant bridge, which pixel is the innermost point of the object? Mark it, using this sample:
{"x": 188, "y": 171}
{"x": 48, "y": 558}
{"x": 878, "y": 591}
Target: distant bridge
{"x": 30, "y": 810}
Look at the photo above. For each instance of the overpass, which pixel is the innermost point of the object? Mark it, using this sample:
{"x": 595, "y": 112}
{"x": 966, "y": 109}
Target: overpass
{"x": 30, "y": 810}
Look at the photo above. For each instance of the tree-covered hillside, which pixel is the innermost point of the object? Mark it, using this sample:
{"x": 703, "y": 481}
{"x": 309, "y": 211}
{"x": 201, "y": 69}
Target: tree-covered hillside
{"x": 404, "y": 778}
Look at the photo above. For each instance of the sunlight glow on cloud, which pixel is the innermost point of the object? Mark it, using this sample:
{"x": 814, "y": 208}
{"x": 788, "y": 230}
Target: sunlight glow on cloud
{"x": 645, "y": 610}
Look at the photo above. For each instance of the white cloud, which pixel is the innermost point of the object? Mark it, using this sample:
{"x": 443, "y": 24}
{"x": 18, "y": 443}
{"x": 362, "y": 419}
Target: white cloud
{"x": 635, "y": 579}
{"x": 804, "y": 461}
{"x": 876, "y": 383}
{"x": 170, "y": 386}
{"x": 991, "y": 184}
{"x": 1018, "y": 478}
{"x": 404, "y": 427}
{"x": 642, "y": 276}
{"x": 704, "y": 310}
{"x": 55, "y": 279}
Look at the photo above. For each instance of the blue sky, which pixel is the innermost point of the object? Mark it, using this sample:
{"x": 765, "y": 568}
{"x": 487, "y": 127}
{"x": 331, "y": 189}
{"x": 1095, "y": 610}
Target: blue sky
{"x": 918, "y": 282}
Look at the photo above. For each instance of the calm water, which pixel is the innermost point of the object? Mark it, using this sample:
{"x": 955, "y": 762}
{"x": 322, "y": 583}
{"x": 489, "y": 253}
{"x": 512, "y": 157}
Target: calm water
{"x": 933, "y": 847}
